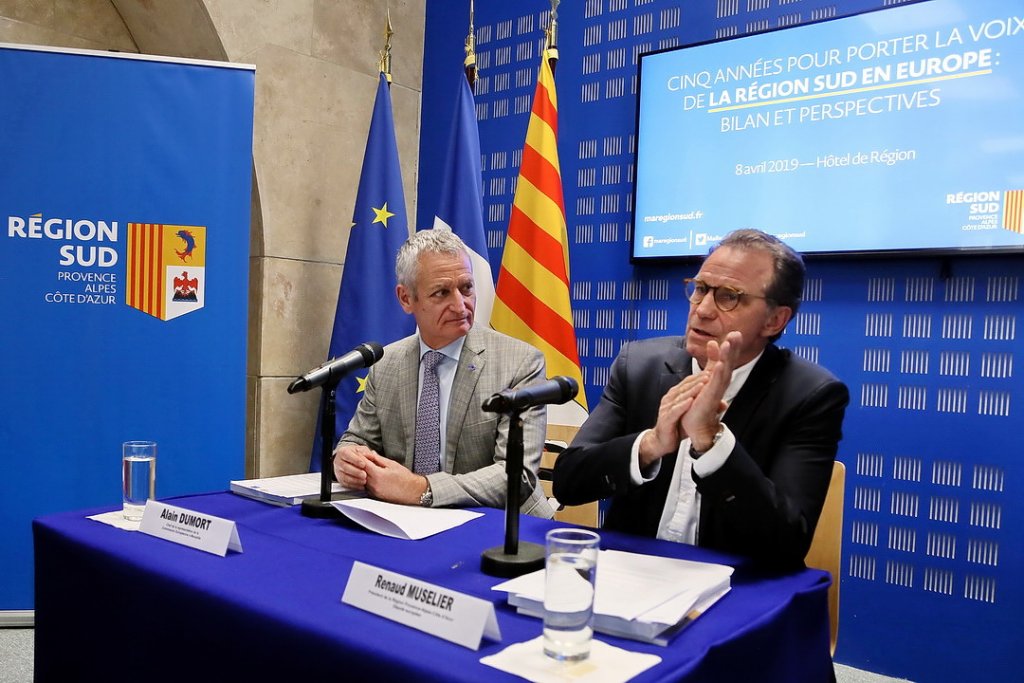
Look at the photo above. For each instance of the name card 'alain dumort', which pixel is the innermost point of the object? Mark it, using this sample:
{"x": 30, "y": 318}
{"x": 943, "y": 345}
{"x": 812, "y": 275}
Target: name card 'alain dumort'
{"x": 186, "y": 527}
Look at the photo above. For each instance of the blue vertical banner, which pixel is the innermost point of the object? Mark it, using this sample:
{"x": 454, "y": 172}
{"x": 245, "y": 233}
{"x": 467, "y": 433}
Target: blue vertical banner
{"x": 368, "y": 309}
{"x": 460, "y": 204}
{"x": 124, "y": 210}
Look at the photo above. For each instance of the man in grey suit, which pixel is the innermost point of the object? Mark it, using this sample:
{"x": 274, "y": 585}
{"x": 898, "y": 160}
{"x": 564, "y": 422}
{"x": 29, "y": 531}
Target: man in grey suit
{"x": 718, "y": 438}
{"x": 419, "y": 435}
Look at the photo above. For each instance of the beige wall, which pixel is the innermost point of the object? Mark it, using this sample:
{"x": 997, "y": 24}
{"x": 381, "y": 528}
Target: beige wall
{"x": 316, "y": 76}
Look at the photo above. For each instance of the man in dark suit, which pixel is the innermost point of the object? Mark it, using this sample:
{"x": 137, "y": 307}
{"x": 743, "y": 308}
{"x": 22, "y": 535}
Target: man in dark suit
{"x": 460, "y": 460}
{"x": 718, "y": 438}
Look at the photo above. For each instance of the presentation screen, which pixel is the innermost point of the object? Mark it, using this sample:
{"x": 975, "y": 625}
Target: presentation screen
{"x": 893, "y": 131}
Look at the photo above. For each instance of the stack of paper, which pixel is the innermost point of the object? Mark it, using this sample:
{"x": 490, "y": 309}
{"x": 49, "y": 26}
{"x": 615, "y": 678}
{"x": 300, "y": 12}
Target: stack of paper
{"x": 642, "y": 597}
{"x": 290, "y": 489}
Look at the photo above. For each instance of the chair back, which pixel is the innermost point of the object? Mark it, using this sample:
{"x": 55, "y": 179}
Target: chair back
{"x": 583, "y": 515}
{"x": 826, "y": 547}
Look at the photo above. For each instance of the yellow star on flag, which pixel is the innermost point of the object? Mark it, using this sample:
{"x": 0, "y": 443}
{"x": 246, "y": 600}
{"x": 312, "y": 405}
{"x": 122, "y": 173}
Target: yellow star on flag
{"x": 362, "y": 384}
{"x": 382, "y": 215}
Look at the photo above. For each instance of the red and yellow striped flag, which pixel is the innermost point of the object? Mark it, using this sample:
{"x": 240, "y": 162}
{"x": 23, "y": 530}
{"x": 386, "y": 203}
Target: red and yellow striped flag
{"x": 532, "y": 296}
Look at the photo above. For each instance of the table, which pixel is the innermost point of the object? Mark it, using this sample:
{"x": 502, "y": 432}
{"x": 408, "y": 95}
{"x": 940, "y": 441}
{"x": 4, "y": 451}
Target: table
{"x": 114, "y": 605}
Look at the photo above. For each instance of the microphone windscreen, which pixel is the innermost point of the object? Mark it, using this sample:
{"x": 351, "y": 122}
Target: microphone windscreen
{"x": 371, "y": 352}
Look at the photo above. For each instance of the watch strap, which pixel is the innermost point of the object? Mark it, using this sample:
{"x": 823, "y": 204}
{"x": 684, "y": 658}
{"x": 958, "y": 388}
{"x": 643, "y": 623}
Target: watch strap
{"x": 714, "y": 440}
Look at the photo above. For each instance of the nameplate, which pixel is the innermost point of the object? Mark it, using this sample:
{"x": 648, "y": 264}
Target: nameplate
{"x": 195, "y": 529}
{"x": 456, "y": 617}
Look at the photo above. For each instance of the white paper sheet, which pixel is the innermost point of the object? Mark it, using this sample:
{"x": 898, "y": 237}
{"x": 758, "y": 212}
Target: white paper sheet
{"x": 606, "y": 664}
{"x": 116, "y": 518}
{"x": 408, "y": 522}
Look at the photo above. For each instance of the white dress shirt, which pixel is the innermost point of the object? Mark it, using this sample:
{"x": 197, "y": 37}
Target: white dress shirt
{"x": 681, "y": 515}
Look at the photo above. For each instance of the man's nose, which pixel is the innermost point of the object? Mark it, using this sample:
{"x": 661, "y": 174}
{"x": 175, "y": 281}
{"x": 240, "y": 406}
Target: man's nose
{"x": 707, "y": 307}
{"x": 458, "y": 302}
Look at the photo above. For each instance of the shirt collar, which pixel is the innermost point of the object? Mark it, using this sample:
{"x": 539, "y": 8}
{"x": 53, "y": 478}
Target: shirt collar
{"x": 452, "y": 351}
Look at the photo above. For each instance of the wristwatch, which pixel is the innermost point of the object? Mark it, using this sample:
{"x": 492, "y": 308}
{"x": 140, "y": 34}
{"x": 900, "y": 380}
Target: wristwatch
{"x": 427, "y": 497}
{"x": 715, "y": 439}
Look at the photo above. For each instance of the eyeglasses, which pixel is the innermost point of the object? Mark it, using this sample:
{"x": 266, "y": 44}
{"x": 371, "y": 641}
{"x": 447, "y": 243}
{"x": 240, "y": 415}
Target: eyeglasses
{"x": 726, "y": 298}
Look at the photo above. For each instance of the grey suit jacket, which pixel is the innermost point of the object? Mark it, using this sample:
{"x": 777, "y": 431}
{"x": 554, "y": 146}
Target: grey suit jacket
{"x": 474, "y": 468}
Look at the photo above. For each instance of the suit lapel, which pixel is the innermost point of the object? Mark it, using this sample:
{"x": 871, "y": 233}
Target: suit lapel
{"x": 739, "y": 416}
{"x": 673, "y": 371}
{"x": 747, "y": 402}
{"x": 409, "y": 374}
{"x": 471, "y": 364}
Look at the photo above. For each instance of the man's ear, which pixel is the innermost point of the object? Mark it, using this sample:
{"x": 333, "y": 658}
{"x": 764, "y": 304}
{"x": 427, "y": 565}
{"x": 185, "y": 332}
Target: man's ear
{"x": 777, "y": 320}
{"x": 405, "y": 298}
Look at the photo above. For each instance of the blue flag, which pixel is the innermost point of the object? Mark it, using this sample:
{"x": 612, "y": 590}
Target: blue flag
{"x": 460, "y": 206}
{"x": 368, "y": 309}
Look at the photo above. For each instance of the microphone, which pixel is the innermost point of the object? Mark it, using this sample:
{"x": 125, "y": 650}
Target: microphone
{"x": 363, "y": 356}
{"x": 555, "y": 390}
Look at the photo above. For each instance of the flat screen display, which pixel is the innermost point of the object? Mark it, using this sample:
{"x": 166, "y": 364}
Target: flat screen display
{"x": 897, "y": 131}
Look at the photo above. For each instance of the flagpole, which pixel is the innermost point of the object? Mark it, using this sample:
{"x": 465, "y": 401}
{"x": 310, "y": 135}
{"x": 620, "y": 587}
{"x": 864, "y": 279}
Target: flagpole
{"x": 551, "y": 37}
{"x": 469, "y": 63}
{"x": 385, "y": 53}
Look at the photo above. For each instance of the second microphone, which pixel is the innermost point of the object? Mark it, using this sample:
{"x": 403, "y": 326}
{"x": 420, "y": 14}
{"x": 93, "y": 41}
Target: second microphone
{"x": 555, "y": 390}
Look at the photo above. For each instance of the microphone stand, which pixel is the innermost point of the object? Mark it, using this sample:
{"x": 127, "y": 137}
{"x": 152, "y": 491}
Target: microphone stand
{"x": 321, "y": 507}
{"x": 514, "y": 558}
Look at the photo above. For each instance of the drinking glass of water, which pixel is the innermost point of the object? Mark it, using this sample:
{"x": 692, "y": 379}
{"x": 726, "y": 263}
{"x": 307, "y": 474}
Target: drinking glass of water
{"x": 570, "y": 574}
{"x": 138, "y": 476}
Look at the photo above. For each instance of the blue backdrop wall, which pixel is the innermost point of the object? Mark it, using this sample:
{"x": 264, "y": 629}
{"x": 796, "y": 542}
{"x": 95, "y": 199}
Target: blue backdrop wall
{"x": 124, "y": 201}
{"x": 928, "y": 346}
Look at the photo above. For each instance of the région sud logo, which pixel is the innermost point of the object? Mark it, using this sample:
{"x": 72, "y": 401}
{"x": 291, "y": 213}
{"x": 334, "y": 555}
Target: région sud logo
{"x": 166, "y": 269}
{"x": 166, "y": 264}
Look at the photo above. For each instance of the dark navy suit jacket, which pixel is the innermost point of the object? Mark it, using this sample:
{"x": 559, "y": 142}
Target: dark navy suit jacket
{"x": 764, "y": 502}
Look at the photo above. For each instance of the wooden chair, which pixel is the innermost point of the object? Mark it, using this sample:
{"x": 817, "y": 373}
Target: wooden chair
{"x": 827, "y": 544}
{"x": 558, "y": 437}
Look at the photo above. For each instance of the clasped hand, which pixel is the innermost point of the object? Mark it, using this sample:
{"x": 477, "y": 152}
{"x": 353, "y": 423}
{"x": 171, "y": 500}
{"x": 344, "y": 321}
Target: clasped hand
{"x": 361, "y": 468}
{"x": 691, "y": 407}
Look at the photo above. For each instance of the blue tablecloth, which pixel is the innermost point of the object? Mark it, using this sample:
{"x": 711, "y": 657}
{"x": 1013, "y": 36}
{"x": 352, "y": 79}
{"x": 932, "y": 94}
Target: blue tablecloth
{"x": 113, "y": 605}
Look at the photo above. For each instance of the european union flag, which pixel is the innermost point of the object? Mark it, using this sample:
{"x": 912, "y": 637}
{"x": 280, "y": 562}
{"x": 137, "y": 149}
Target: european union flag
{"x": 460, "y": 206}
{"x": 368, "y": 309}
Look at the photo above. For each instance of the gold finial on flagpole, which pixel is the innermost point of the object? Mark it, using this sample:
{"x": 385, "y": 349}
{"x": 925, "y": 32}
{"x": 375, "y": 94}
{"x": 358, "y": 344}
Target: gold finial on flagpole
{"x": 551, "y": 35}
{"x": 385, "y": 54}
{"x": 469, "y": 64}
